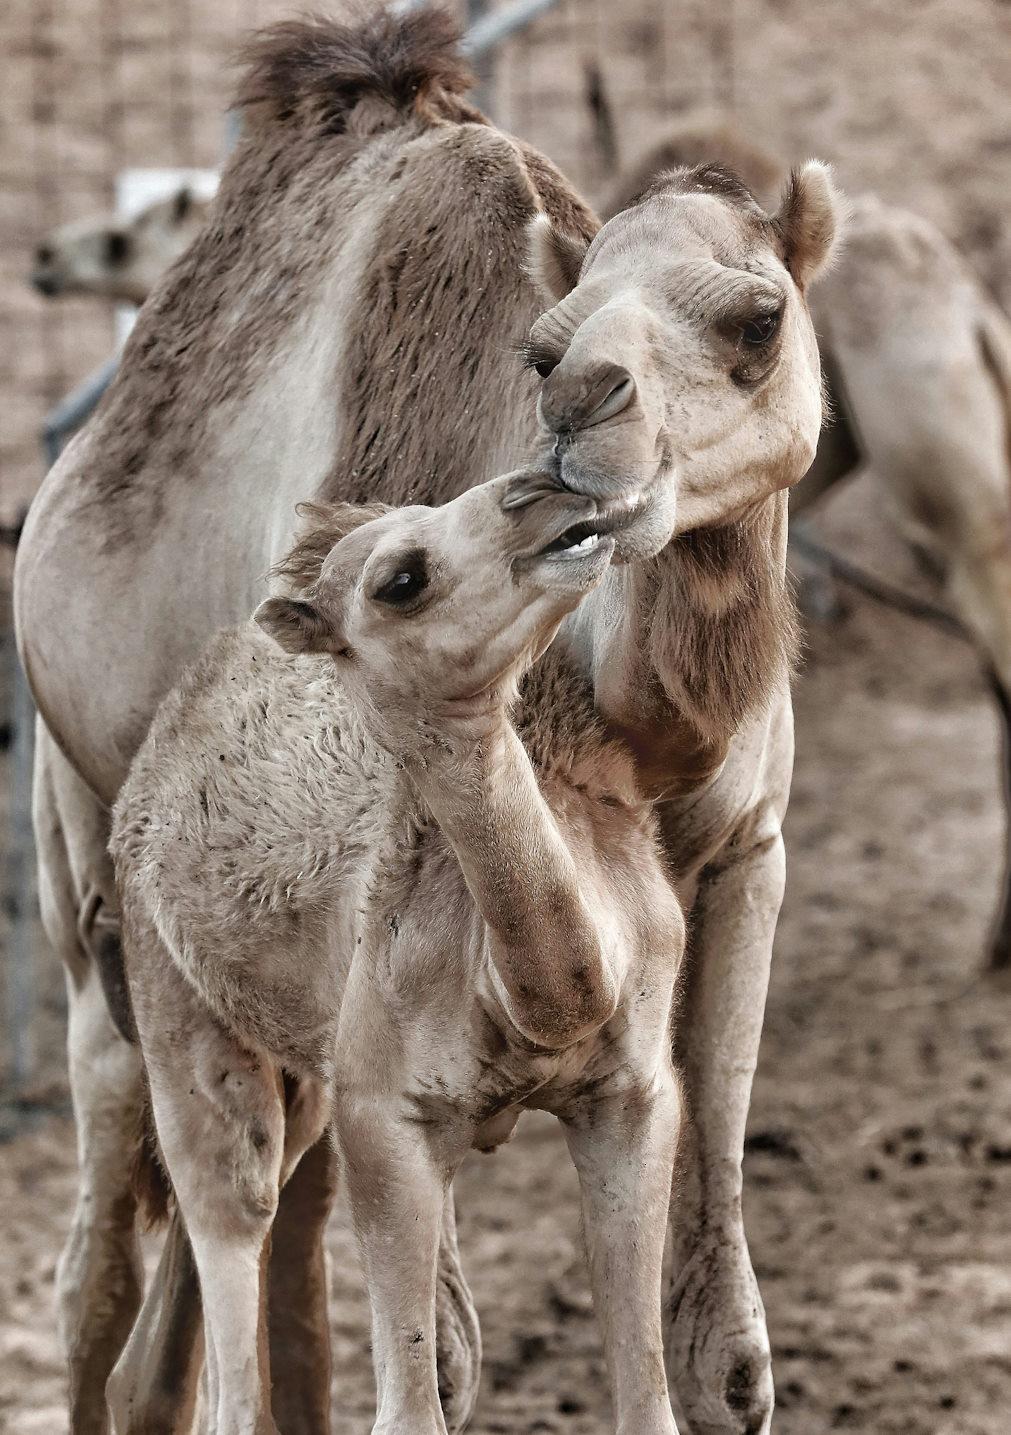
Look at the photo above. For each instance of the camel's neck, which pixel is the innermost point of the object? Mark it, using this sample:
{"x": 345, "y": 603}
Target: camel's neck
{"x": 543, "y": 942}
{"x": 687, "y": 647}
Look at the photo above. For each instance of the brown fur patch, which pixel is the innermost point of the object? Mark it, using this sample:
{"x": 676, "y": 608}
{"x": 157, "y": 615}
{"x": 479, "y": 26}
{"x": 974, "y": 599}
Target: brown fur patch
{"x": 706, "y": 178}
{"x": 148, "y": 1177}
{"x": 443, "y": 307}
{"x": 723, "y": 629}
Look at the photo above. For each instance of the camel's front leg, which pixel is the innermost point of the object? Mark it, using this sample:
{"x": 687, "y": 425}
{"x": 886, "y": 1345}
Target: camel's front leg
{"x": 622, "y": 1150}
{"x": 718, "y": 1347}
{"x": 397, "y": 1194}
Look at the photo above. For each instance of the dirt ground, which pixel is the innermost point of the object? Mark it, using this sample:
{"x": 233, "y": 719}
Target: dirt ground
{"x": 878, "y": 1176}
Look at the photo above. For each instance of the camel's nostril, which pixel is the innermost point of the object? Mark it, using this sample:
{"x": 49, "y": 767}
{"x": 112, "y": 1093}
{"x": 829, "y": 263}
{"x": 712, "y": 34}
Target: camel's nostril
{"x": 583, "y": 401}
{"x": 618, "y": 397}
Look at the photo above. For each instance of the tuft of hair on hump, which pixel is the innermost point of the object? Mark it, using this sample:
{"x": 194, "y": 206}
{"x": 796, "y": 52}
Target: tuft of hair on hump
{"x": 326, "y": 525}
{"x": 708, "y": 178}
{"x": 362, "y": 74}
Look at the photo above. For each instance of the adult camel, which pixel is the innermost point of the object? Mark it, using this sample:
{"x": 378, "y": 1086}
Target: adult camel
{"x": 917, "y": 363}
{"x": 345, "y": 327}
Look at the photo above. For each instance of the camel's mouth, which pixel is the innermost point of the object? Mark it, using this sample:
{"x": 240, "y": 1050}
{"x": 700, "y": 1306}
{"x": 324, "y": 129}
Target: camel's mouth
{"x": 578, "y": 541}
{"x": 575, "y": 560}
{"x": 585, "y": 536}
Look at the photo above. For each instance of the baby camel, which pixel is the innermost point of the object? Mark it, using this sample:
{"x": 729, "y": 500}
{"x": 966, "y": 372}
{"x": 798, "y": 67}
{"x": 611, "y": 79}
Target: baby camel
{"x": 350, "y": 891}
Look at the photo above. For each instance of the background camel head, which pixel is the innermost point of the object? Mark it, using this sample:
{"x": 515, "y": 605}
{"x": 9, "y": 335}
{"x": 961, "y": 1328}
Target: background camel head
{"x": 429, "y": 605}
{"x": 115, "y": 258}
{"x": 679, "y": 354}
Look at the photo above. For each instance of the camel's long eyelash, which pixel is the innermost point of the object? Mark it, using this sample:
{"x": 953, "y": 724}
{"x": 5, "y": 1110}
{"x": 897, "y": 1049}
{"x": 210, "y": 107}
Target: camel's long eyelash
{"x": 531, "y": 353}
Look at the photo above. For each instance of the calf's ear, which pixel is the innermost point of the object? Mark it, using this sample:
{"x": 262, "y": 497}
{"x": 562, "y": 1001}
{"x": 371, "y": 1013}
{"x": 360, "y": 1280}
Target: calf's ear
{"x": 809, "y": 221}
{"x": 554, "y": 260}
{"x": 295, "y": 626}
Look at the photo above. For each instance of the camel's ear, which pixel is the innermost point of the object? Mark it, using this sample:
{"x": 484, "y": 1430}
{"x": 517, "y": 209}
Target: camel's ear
{"x": 553, "y": 259}
{"x": 296, "y": 626}
{"x": 809, "y": 220}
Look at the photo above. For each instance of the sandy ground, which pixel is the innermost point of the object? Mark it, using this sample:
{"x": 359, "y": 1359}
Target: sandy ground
{"x": 878, "y": 1178}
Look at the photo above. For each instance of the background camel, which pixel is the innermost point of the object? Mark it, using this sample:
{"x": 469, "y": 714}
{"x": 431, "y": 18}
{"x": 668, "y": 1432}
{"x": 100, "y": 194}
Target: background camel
{"x": 115, "y": 258}
{"x": 664, "y": 365}
{"x": 917, "y": 360}
{"x": 520, "y": 950}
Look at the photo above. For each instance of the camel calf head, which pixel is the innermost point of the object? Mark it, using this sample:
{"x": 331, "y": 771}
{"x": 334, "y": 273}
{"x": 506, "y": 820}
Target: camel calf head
{"x": 445, "y": 605}
{"x": 117, "y": 259}
{"x": 678, "y": 357}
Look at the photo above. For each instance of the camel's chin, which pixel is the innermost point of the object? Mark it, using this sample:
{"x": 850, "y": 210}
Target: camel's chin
{"x": 649, "y": 527}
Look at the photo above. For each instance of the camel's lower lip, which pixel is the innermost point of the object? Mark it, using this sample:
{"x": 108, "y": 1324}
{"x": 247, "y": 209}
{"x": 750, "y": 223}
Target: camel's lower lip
{"x": 593, "y": 549}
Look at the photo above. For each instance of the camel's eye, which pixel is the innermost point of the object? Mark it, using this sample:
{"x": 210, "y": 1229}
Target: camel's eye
{"x": 117, "y": 247}
{"x": 761, "y": 329}
{"x": 536, "y": 357}
{"x": 409, "y": 578}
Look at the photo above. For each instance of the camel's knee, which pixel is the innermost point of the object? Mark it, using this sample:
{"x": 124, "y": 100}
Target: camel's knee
{"x": 219, "y": 1114}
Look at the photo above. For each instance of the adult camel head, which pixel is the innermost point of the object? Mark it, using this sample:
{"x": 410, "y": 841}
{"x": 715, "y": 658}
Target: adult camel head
{"x": 678, "y": 357}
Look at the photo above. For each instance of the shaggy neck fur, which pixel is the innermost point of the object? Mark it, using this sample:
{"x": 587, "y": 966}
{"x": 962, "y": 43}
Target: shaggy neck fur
{"x": 707, "y": 634}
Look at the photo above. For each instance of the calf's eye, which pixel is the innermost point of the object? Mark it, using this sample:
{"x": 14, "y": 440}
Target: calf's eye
{"x": 403, "y": 586}
{"x": 544, "y": 367}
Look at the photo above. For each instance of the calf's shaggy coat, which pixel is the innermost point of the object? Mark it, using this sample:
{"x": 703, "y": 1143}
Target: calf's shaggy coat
{"x": 349, "y": 883}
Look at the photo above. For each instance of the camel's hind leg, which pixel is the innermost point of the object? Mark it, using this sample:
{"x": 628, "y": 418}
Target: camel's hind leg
{"x": 298, "y": 1320}
{"x": 457, "y": 1332}
{"x": 153, "y": 1389}
{"x": 99, "y": 1273}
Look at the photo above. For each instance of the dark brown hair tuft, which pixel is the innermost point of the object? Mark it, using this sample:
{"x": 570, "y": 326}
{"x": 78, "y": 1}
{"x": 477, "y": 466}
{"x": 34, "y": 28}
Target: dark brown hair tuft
{"x": 328, "y": 524}
{"x": 315, "y": 72}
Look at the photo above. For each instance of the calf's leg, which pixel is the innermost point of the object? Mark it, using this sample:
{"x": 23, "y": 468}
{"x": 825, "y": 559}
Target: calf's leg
{"x": 622, "y": 1146}
{"x": 397, "y": 1195}
{"x": 220, "y": 1115}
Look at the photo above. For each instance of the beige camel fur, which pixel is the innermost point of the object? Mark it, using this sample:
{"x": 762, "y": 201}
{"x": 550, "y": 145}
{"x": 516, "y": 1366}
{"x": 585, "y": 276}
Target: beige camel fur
{"x": 917, "y": 358}
{"x": 344, "y": 328}
{"x": 346, "y": 869}
{"x": 115, "y": 258}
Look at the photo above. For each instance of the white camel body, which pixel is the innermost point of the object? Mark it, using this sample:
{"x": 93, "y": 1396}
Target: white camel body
{"x": 345, "y": 327}
{"x": 424, "y": 929}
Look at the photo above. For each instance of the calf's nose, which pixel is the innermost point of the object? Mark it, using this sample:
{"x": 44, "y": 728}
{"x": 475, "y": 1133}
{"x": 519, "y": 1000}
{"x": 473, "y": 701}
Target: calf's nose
{"x": 570, "y": 403}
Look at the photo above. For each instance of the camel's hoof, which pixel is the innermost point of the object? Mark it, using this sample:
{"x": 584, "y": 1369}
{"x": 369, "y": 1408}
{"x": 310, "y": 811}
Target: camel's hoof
{"x": 718, "y": 1349}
